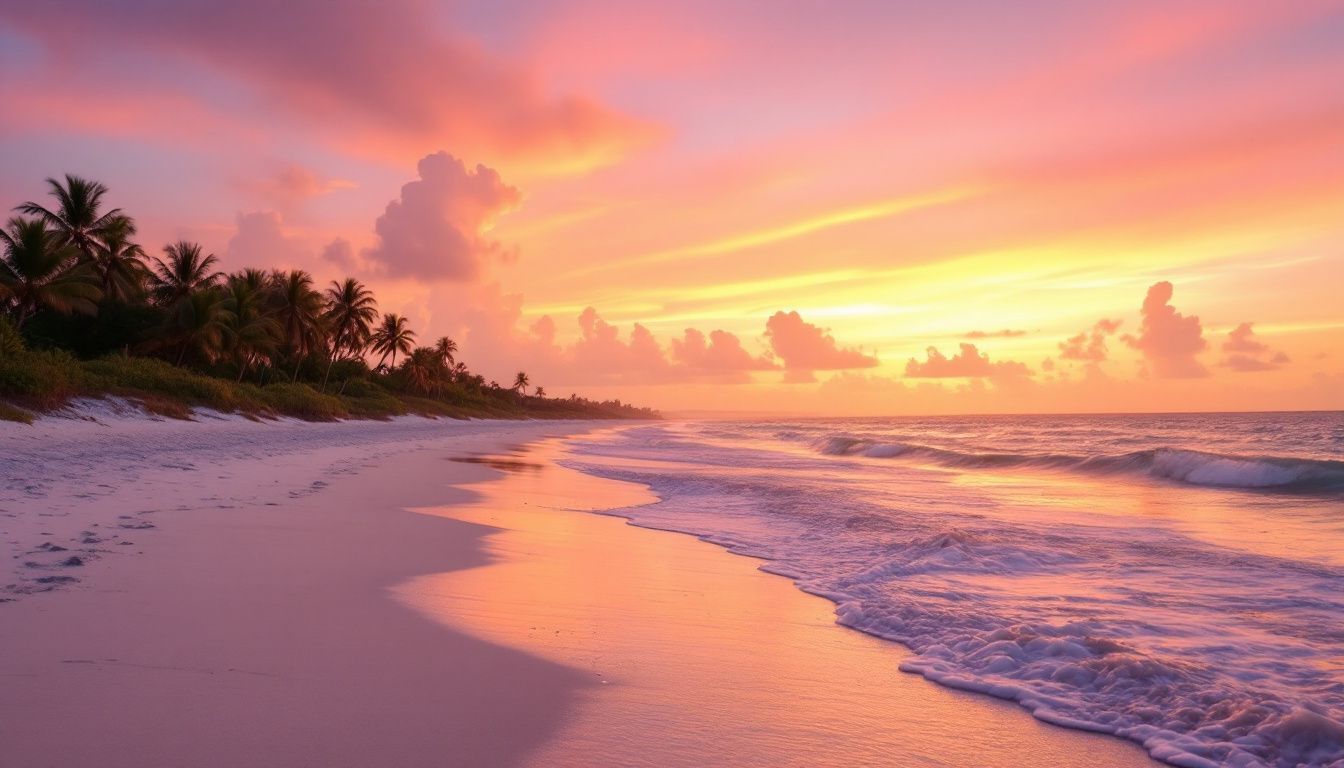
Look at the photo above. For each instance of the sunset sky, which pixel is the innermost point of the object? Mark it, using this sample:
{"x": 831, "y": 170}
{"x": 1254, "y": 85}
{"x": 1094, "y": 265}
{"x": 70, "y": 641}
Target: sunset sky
{"x": 857, "y": 207}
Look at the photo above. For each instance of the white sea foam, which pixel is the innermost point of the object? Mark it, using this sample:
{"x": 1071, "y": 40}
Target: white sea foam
{"x": 1148, "y": 597}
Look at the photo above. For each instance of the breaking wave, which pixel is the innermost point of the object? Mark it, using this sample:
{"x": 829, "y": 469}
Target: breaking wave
{"x": 1285, "y": 474}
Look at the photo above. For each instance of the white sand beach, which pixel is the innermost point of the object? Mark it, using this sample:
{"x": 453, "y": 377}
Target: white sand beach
{"x": 349, "y": 595}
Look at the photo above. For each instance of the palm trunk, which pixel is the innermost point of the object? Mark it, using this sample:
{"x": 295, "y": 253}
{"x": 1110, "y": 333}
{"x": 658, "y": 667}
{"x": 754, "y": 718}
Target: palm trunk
{"x": 330, "y": 362}
{"x": 335, "y": 345}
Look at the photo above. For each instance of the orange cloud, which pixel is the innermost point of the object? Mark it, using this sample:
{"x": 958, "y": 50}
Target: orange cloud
{"x": 1089, "y": 346}
{"x": 805, "y": 348}
{"x": 1247, "y": 354}
{"x": 1168, "y": 340}
{"x": 967, "y": 363}
{"x": 722, "y": 352}
{"x": 1006, "y": 333}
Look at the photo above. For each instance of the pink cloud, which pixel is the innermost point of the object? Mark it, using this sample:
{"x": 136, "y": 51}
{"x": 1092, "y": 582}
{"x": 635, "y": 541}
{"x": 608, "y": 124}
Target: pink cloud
{"x": 1006, "y": 333}
{"x": 1247, "y": 354}
{"x": 433, "y": 231}
{"x": 968, "y": 363}
{"x": 722, "y": 352}
{"x": 1242, "y": 339}
{"x": 600, "y": 351}
{"x": 1168, "y": 340}
{"x": 804, "y": 347}
{"x": 1090, "y": 345}
{"x": 379, "y": 70}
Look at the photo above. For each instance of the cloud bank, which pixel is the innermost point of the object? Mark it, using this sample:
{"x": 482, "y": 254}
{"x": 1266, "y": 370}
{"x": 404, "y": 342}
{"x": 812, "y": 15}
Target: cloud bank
{"x": 1089, "y": 346}
{"x": 969, "y": 362}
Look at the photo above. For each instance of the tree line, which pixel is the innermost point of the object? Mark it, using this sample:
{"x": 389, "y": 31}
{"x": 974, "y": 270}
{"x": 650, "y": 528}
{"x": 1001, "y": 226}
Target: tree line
{"x": 72, "y": 276}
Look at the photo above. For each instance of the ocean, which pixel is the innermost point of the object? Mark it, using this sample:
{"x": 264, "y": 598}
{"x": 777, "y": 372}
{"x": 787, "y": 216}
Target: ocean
{"x": 1175, "y": 580}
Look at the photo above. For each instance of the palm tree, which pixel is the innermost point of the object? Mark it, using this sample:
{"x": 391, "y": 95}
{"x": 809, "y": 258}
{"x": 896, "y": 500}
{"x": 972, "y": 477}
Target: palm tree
{"x": 422, "y": 369}
{"x": 252, "y": 333}
{"x": 200, "y": 322}
{"x": 520, "y": 383}
{"x": 351, "y": 313}
{"x": 299, "y": 312}
{"x": 184, "y": 271}
{"x": 445, "y": 348}
{"x": 540, "y": 392}
{"x": 393, "y": 335}
{"x": 40, "y": 270}
{"x": 77, "y": 218}
{"x": 119, "y": 262}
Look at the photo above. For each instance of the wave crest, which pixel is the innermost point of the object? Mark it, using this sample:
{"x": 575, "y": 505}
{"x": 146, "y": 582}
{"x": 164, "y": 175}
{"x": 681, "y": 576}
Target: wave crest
{"x": 1278, "y": 473}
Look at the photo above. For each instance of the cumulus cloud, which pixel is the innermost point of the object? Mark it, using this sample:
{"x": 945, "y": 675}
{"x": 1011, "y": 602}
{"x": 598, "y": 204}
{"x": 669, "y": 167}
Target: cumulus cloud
{"x": 1168, "y": 340}
{"x": 434, "y": 230}
{"x": 1247, "y": 354}
{"x": 1089, "y": 346}
{"x": 601, "y": 350}
{"x": 804, "y": 347}
{"x": 1242, "y": 339}
{"x": 967, "y": 363}
{"x": 1006, "y": 333}
{"x": 587, "y": 349}
{"x": 720, "y": 353}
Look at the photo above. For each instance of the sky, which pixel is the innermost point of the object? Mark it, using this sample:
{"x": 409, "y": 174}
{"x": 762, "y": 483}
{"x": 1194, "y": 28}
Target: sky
{"x": 807, "y": 207}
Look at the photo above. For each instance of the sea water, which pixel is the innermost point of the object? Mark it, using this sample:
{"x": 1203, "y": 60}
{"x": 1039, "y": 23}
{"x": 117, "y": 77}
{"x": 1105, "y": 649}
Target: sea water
{"x": 1176, "y": 580}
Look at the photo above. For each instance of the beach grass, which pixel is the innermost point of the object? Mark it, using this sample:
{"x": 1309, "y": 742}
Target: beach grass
{"x": 12, "y": 413}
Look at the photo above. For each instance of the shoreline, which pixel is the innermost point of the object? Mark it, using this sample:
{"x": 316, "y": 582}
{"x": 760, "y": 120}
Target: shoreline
{"x": 702, "y": 656}
{"x": 443, "y": 596}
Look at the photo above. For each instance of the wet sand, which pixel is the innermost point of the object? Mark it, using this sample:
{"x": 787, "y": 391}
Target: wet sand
{"x": 701, "y": 658}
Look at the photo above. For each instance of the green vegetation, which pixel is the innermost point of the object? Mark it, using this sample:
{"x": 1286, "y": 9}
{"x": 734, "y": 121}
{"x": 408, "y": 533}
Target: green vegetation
{"x": 84, "y": 312}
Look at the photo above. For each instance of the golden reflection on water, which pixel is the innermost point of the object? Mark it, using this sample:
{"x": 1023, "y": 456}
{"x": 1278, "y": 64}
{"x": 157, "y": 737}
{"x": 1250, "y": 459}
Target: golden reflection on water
{"x": 700, "y": 659}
